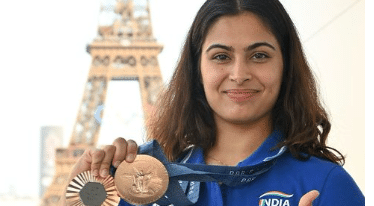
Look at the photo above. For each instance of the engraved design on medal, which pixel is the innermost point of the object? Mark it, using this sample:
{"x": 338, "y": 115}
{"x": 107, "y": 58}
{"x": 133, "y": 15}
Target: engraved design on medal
{"x": 142, "y": 182}
{"x": 145, "y": 182}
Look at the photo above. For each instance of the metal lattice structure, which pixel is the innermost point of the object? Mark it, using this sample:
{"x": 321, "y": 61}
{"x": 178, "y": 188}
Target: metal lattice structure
{"x": 125, "y": 49}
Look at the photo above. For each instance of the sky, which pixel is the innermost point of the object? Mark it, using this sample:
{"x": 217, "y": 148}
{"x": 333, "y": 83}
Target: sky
{"x": 45, "y": 66}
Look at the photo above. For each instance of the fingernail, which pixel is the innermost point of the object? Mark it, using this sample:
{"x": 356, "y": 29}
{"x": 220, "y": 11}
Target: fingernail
{"x": 104, "y": 172}
{"x": 130, "y": 158}
{"x": 116, "y": 164}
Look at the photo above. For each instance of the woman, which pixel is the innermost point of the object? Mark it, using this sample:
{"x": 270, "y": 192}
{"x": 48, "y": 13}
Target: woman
{"x": 241, "y": 89}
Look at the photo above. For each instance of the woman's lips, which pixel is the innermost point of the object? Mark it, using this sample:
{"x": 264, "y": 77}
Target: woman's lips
{"x": 241, "y": 95}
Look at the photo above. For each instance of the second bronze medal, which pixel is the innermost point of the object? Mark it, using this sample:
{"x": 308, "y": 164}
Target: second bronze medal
{"x": 142, "y": 182}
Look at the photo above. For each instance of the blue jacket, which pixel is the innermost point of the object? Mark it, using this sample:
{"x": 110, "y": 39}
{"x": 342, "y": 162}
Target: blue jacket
{"x": 284, "y": 184}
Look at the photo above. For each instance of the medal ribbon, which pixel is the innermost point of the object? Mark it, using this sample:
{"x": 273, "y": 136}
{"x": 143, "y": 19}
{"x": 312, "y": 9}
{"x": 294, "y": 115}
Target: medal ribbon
{"x": 185, "y": 175}
{"x": 185, "y": 178}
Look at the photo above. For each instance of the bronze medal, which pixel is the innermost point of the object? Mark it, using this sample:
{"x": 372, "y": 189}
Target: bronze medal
{"x": 142, "y": 182}
{"x": 86, "y": 189}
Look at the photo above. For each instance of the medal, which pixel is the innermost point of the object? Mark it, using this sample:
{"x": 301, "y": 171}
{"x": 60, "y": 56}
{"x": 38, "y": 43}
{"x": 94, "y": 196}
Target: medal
{"x": 151, "y": 178}
{"x": 142, "y": 182}
{"x": 86, "y": 189}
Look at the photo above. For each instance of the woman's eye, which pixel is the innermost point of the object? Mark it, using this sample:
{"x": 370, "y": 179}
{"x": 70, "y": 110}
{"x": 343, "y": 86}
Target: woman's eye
{"x": 260, "y": 56}
{"x": 221, "y": 57}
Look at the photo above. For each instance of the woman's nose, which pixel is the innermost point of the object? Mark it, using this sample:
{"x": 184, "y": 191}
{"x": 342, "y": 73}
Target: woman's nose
{"x": 240, "y": 72}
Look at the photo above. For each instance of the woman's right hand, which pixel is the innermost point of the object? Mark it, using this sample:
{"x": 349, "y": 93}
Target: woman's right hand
{"x": 98, "y": 161}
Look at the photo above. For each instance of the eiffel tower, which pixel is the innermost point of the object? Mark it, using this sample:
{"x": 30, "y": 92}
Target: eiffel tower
{"x": 123, "y": 50}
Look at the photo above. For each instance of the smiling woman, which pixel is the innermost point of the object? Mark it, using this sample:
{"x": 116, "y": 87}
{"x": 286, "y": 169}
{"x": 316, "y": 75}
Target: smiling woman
{"x": 242, "y": 88}
{"x": 241, "y": 69}
{"x": 242, "y": 106}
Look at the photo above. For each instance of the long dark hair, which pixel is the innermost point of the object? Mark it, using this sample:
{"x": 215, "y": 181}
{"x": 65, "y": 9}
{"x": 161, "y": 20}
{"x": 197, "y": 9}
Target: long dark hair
{"x": 184, "y": 118}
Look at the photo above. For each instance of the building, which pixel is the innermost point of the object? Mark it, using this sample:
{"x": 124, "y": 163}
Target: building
{"x": 51, "y": 138}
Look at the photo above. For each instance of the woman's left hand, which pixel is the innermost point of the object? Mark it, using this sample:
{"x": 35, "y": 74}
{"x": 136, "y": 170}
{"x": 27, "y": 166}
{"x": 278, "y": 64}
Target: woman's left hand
{"x": 308, "y": 198}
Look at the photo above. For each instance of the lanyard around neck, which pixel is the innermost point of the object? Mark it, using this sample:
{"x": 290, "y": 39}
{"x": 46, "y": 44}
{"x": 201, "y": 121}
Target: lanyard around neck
{"x": 185, "y": 178}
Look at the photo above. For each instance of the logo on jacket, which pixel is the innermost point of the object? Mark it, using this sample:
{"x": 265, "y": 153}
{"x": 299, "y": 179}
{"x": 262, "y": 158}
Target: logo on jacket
{"x": 274, "y": 198}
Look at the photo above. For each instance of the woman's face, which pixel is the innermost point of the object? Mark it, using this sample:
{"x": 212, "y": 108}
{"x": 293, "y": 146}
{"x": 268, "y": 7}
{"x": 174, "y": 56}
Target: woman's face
{"x": 241, "y": 68}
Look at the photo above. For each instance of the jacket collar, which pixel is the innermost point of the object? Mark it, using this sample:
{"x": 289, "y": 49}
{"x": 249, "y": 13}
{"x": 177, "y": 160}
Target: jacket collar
{"x": 265, "y": 152}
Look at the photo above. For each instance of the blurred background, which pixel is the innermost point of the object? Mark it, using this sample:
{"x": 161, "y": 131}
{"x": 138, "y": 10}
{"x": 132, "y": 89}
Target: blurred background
{"x": 44, "y": 68}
